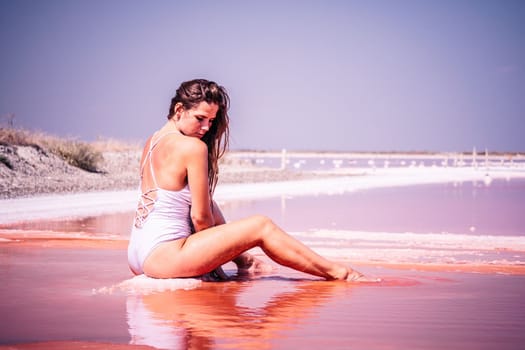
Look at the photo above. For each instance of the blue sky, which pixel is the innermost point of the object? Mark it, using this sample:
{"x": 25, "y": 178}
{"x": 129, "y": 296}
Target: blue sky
{"x": 302, "y": 75}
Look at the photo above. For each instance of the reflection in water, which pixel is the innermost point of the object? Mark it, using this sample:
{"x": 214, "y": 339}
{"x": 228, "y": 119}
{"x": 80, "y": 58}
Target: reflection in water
{"x": 232, "y": 314}
{"x": 146, "y": 329}
{"x": 98, "y": 226}
{"x": 460, "y": 208}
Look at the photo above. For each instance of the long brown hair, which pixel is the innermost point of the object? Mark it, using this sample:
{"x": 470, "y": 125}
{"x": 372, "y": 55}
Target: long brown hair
{"x": 190, "y": 94}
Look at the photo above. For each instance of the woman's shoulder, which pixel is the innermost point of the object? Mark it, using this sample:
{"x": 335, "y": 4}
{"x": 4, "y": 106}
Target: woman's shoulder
{"x": 186, "y": 145}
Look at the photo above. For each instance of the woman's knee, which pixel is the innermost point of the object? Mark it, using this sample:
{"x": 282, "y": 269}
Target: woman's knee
{"x": 263, "y": 225}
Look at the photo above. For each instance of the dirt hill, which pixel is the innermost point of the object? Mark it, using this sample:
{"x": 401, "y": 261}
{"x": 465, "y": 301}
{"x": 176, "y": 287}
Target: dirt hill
{"x": 29, "y": 170}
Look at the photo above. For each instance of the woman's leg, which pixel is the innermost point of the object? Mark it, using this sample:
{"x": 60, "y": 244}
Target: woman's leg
{"x": 246, "y": 263}
{"x": 205, "y": 250}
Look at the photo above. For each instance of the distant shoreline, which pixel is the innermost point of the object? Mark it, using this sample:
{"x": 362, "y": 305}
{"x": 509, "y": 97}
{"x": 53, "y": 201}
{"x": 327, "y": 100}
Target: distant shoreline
{"x": 30, "y": 169}
{"x": 359, "y": 154}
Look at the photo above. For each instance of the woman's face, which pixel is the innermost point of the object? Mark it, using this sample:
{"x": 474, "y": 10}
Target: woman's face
{"x": 196, "y": 122}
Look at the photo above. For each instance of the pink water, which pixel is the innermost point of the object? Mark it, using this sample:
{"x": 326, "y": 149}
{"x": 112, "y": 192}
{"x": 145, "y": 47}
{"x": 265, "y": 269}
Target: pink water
{"x": 463, "y": 208}
{"x": 47, "y": 289}
{"x": 458, "y": 208}
{"x": 47, "y": 295}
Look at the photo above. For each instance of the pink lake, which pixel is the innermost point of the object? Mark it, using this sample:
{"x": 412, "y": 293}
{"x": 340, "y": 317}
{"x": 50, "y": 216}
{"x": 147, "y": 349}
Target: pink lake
{"x": 445, "y": 285}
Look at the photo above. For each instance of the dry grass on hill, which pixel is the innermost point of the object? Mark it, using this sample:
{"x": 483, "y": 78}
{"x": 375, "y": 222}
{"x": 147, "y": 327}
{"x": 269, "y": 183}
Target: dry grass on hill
{"x": 83, "y": 155}
{"x": 37, "y": 163}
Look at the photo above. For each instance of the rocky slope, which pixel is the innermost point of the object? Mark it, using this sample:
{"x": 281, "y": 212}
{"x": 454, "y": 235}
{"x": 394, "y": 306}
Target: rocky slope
{"x": 26, "y": 170}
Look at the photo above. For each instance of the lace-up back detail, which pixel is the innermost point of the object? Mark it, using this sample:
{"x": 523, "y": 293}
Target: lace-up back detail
{"x": 144, "y": 207}
{"x": 149, "y": 197}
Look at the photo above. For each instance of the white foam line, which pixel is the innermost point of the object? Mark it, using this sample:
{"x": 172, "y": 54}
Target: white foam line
{"x": 96, "y": 203}
{"x": 410, "y": 239}
{"x": 393, "y": 247}
{"x": 66, "y": 205}
{"x": 145, "y": 285}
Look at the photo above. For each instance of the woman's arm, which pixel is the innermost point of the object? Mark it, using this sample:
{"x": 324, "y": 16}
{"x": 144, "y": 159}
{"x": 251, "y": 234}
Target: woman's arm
{"x": 197, "y": 172}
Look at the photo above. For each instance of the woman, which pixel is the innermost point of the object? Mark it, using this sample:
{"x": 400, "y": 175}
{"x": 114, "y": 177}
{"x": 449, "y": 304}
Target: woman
{"x": 179, "y": 168}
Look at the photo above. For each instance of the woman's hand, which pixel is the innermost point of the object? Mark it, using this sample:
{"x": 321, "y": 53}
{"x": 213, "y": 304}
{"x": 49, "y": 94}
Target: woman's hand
{"x": 247, "y": 264}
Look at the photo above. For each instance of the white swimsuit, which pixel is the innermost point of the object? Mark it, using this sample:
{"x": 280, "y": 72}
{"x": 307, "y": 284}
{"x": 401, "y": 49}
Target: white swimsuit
{"x": 157, "y": 220}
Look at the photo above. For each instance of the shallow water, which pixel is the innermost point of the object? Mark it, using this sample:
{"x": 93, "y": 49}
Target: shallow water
{"x": 305, "y": 314}
{"x": 452, "y": 223}
{"x": 461, "y": 208}
{"x": 466, "y": 223}
{"x": 288, "y": 310}
{"x": 48, "y": 290}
